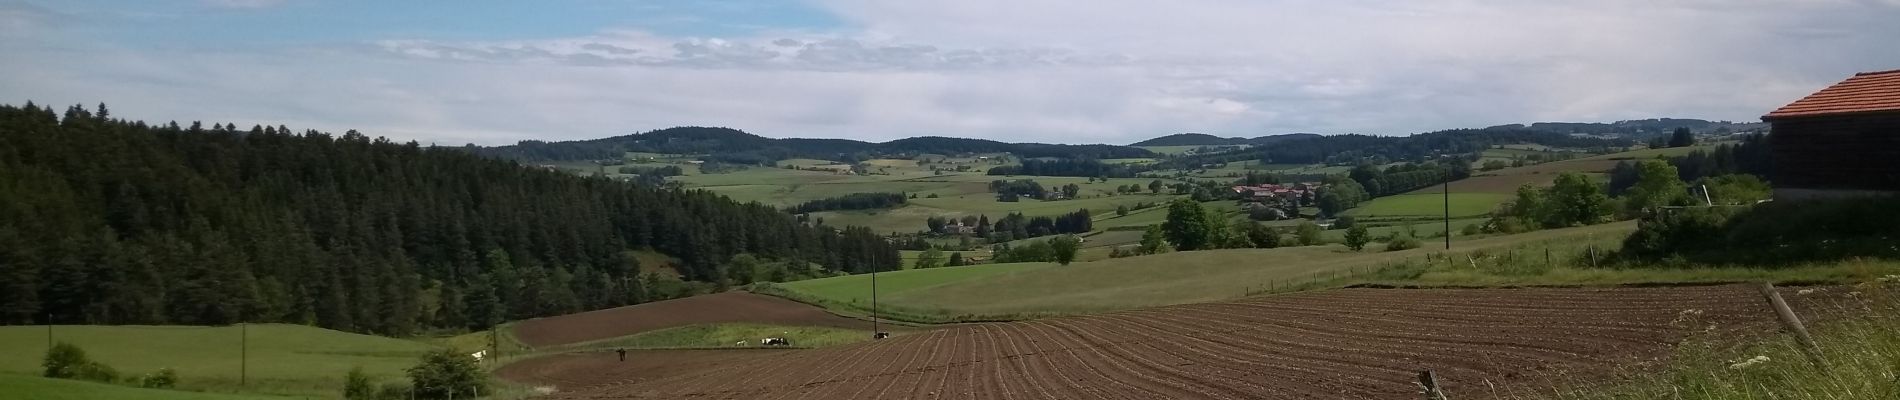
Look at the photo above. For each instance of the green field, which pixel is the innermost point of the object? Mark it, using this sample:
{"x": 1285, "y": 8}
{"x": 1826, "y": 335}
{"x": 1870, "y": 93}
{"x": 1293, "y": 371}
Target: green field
{"x": 1010, "y": 291}
{"x": 23, "y": 387}
{"x": 709, "y": 336}
{"x": 856, "y": 289}
{"x": 282, "y": 359}
{"x": 1429, "y": 205}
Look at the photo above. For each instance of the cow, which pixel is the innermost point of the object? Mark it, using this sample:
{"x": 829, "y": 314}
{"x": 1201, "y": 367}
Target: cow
{"x": 479, "y": 355}
{"x": 774, "y": 341}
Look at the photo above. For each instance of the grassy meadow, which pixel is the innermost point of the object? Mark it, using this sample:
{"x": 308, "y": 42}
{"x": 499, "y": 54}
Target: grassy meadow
{"x": 25, "y": 387}
{"x": 282, "y": 359}
{"x": 1013, "y": 291}
{"x": 1429, "y": 205}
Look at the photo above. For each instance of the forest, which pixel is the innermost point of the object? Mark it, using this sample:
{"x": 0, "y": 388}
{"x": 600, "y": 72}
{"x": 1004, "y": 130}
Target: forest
{"x": 735, "y": 146}
{"x": 1359, "y": 149}
{"x": 1082, "y": 167}
{"x": 854, "y": 201}
{"x": 108, "y": 221}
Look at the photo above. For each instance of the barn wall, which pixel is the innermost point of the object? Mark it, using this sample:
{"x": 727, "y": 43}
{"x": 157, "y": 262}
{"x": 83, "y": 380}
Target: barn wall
{"x": 1845, "y": 155}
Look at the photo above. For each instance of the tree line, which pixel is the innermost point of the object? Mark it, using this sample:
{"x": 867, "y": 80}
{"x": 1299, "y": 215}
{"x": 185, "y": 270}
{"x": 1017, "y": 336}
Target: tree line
{"x": 107, "y": 221}
{"x": 854, "y": 201}
{"x": 1068, "y": 167}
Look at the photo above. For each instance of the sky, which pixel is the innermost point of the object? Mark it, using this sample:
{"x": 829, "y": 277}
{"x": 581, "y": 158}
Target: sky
{"x": 494, "y": 72}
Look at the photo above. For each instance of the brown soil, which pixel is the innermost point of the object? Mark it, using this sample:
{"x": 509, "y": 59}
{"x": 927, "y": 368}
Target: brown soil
{"x": 1341, "y": 344}
{"x": 705, "y": 309}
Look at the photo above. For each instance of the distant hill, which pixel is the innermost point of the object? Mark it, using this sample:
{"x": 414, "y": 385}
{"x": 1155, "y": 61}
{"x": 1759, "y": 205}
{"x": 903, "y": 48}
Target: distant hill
{"x": 1191, "y": 139}
{"x": 732, "y": 145}
{"x": 1638, "y": 127}
{"x": 1202, "y": 139}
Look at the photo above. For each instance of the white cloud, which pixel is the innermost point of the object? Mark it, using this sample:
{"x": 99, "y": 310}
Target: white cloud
{"x": 1027, "y": 70}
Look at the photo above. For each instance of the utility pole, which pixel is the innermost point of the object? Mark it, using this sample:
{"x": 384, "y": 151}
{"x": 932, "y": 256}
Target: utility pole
{"x": 874, "y": 322}
{"x": 1447, "y": 211}
{"x": 244, "y": 352}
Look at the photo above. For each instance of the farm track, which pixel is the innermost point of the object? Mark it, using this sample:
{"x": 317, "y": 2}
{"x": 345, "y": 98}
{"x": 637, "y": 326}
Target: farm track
{"x": 1340, "y": 344}
{"x": 728, "y": 307}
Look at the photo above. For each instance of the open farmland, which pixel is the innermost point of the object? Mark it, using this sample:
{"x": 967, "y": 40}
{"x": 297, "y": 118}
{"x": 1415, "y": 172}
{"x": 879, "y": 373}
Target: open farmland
{"x": 704, "y": 309}
{"x": 1341, "y": 344}
{"x": 1173, "y": 278}
{"x": 856, "y": 289}
{"x": 1432, "y": 205}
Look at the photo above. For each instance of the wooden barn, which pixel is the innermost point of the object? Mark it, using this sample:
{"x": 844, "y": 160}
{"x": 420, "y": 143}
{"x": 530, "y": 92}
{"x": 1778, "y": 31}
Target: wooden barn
{"x": 1841, "y": 141}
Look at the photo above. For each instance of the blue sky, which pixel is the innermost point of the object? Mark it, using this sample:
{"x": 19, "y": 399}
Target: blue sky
{"x": 1113, "y": 71}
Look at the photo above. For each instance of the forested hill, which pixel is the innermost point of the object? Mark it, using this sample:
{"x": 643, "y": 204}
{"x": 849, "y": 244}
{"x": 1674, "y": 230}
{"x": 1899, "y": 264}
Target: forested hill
{"x": 1202, "y": 139}
{"x": 104, "y": 221}
{"x": 1358, "y": 149}
{"x": 732, "y": 145}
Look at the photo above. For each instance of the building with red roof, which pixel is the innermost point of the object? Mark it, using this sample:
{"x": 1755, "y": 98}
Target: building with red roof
{"x": 1841, "y": 141}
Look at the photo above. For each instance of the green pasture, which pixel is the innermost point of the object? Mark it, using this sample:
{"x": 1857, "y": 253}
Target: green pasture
{"x": 1163, "y": 279}
{"x": 277, "y": 358}
{"x": 1411, "y": 205}
{"x": 856, "y": 289}
{"x": 25, "y": 387}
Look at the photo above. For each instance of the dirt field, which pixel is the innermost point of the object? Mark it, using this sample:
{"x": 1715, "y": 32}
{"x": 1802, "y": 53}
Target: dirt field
{"x": 1343, "y": 344}
{"x": 705, "y": 309}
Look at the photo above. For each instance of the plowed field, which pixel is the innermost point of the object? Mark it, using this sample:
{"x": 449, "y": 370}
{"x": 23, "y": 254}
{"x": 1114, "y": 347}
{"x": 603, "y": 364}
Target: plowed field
{"x": 705, "y": 309}
{"x": 1342, "y": 344}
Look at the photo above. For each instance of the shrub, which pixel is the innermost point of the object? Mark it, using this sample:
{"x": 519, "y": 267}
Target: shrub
{"x": 395, "y": 391}
{"x": 1357, "y": 237}
{"x": 165, "y": 378}
{"x": 1345, "y": 222}
{"x": 1778, "y": 233}
{"x": 64, "y": 360}
{"x": 444, "y": 372}
{"x": 1471, "y": 230}
{"x": 1401, "y": 242}
{"x": 357, "y": 385}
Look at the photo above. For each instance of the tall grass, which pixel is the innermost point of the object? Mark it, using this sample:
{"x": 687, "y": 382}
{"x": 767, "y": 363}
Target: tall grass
{"x": 1862, "y": 352}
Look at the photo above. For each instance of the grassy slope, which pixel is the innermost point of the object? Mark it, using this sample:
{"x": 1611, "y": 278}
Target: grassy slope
{"x": 1172, "y": 278}
{"x": 22, "y": 387}
{"x": 856, "y": 289}
{"x": 1429, "y": 205}
{"x": 283, "y": 359}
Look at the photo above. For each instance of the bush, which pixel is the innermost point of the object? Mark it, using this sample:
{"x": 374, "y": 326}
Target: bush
{"x": 165, "y": 378}
{"x": 1345, "y": 222}
{"x": 66, "y": 361}
{"x": 1401, "y": 242}
{"x": 444, "y": 372}
{"x": 357, "y": 385}
{"x": 394, "y": 391}
{"x": 1778, "y": 233}
{"x": 1471, "y": 230}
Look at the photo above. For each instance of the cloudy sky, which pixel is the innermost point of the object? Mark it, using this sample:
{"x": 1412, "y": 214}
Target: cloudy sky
{"x": 1099, "y": 71}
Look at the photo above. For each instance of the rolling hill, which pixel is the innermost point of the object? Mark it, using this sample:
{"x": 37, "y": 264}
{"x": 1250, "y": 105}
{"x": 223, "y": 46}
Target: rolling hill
{"x": 733, "y": 145}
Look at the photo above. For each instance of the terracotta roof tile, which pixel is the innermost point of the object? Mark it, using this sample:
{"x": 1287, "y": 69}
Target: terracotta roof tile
{"x": 1864, "y": 92}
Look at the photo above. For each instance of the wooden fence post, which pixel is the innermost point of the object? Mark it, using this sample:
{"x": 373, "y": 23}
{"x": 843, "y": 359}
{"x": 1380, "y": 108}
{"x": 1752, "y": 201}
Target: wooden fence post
{"x": 1793, "y": 323}
{"x": 1430, "y": 382}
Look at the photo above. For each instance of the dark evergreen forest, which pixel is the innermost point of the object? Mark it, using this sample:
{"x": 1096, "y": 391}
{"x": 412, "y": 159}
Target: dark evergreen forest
{"x": 106, "y": 221}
